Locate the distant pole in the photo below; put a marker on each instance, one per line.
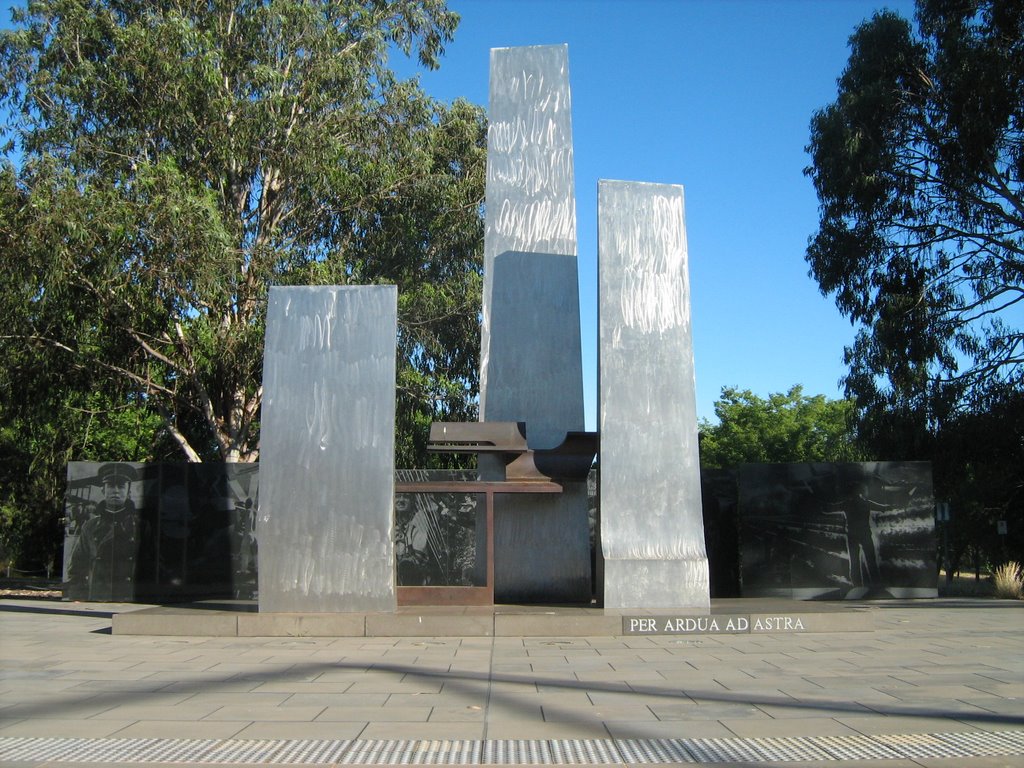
(942, 515)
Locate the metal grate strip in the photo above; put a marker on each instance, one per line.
(722, 750)
(512, 751)
(788, 749)
(654, 751)
(985, 744)
(924, 745)
(855, 748)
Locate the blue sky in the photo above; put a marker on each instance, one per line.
(715, 95)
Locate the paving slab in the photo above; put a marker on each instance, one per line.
(471, 713)
(267, 713)
(57, 727)
(674, 729)
(423, 732)
(932, 683)
(336, 699)
(180, 712)
(173, 729)
(378, 714)
(539, 729)
(304, 731)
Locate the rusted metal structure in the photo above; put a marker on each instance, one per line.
(527, 471)
(571, 460)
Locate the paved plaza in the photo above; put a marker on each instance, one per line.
(935, 683)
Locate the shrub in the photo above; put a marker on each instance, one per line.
(1009, 581)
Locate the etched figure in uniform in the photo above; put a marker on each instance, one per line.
(856, 506)
(103, 562)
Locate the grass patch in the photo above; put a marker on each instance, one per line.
(1009, 581)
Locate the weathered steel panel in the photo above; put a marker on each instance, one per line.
(327, 450)
(531, 366)
(652, 531)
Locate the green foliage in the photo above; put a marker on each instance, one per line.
(978, 468)
(784, 428)
(178, 159)
(919, 170)
(36, 442)
(165, 162)
(918, 166)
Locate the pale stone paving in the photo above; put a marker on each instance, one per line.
(936, 683)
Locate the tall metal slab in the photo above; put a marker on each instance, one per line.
(531, 366)
(652, 530)
(327, 450)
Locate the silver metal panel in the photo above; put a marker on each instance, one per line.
(327, 450)
(651, 583)
(531, 367)
(535, 366)
(652, 530)
(530, 192)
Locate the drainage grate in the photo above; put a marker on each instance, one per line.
(513, 751)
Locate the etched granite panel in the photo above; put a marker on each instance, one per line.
(652, 531)
(160, 532)
(837, 531)
(327, 450)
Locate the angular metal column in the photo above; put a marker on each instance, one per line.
(531, 367)
(652, 529)
(327, 467)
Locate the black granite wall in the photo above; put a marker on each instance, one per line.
(804, 531)
(183, 531)
(834, 531)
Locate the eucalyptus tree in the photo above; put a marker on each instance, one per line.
(168, 161)
(919, 169)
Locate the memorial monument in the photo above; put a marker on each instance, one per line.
(325, 490)
(652, 529)
(530, 360)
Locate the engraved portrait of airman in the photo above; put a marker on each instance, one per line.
(103, 562)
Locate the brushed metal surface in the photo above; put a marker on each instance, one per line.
(531, 366)
(327, 450)
(652, 530)
(530, 188)
(535, 367)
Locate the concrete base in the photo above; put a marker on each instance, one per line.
(226, 619)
